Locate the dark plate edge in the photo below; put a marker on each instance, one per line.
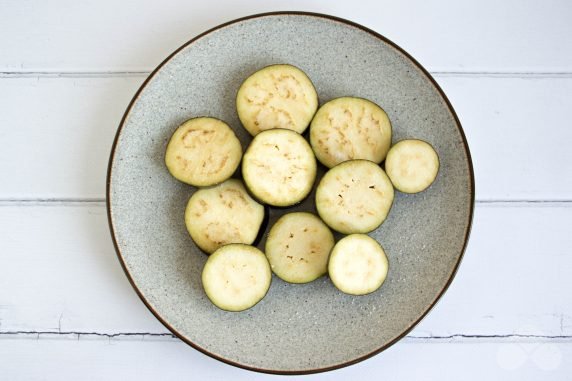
(272, 371)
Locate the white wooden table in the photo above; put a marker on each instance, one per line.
(67, 72)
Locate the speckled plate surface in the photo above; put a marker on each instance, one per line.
(295, 328)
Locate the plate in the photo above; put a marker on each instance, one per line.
(295, 328)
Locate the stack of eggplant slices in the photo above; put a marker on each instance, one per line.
(350, 136)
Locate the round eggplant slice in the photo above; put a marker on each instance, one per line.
(236, 277)
(279, 167)
(350, 128)
(223, 214)
(298, 247)
(354, 197)
(277, 96)
(358, 265)
(202, 152)
(412, 165)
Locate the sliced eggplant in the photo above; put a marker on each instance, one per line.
(350, 128)
(236, 277)
(412, 165)
(277, 96)
(354, 197)
(202, 152)
(279, 167)
(298, 247)
(223, 214)
(358, 265)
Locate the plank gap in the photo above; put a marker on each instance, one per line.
(145, 73)
(459, 337)
(10, 202)
(73, 74)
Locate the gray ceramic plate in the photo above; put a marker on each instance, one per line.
(295, 328)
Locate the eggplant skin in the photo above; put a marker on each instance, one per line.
(358, 265)
(298, 247)
(223, 214)
(236, 277)
(350, 128)
(412, 165)
(203, 151)
(354, 197)
(277, 96)
(279, 167)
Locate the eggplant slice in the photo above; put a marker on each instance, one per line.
(412, 165)
(358, 265)
(203, 151)
(279, 167)
(236, 277)
(298, 247)
(354, 197)
(350, 128)
(223, 214)
(277, 96)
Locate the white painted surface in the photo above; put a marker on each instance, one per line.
(152, 359)
(60, 132)
(66, 126)
(449, 35)
(507, 315)
(519, 133)
(517, 287)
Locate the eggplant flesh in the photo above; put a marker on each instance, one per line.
(202, 152)
(277, 96)
(412, 165)
(236, 277)
(350, 128)
(298, 247)
(279, 167)
(358, 265)
(354, 197)
(223, 214)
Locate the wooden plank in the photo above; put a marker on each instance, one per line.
(519, 134)
(60, 132)
(59, 145)
(122, 359)
(60, 274)
(479, 36)
(513, 278)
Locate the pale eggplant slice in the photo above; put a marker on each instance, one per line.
(277, 96)
(412, 165)
(223, 214)
(236, 277)
(298, 247)
(354, 197)
(203, 151)
(350, 128)
(279, 167)
(358, 265)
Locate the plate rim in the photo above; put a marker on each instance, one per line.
(268, 370)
